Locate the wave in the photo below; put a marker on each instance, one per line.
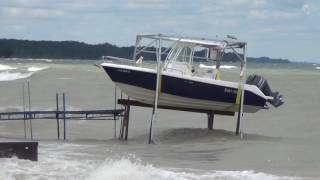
(34, 69)
(67, 161)
(221, 67)
(10, 76)
(318, 67)
(129, 169)
(6, 67)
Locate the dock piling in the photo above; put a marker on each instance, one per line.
(124, 128)
(30, 115)
(127, 115)
(64, 116)
(114, 116)
(24, 113)
(57, 116)
(210, 120)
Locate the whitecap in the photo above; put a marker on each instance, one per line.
(128, 169)
(59, 161)
(221, 67)
(10, 76)
(34, 69)
(318, 67)
(6, 67)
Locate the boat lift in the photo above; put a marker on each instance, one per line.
(156, 42)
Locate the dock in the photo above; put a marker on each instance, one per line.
(29, 149)
(61, 114)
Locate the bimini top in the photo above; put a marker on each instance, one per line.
(221, 44)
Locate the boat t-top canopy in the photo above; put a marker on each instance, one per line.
(202, 42)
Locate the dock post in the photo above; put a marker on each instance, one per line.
(127, 114)
(57, 116)
(24, 113)
(121, 119)
(64, 116)
(238, 121)
(114, 115)
(30, 115)
(210, 120)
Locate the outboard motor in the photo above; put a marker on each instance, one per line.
(263, 85)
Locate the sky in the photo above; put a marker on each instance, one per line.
(288, 29)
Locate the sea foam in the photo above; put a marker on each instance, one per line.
(10, 76)
(34, 69)
(66, 161)
(6, 67)
(126, 169)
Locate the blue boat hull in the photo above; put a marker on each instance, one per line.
(182, 91)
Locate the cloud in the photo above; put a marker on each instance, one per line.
(306, 8)
(274, 15)
(31, 13)
(118, 21)
(310, 8)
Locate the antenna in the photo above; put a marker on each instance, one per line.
(232, 37)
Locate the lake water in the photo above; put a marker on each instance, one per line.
(282, 143)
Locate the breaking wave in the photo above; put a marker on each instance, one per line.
(10, 73)
(10, 76)
(6, 67)
(34, 69)
(121, 169)
(128, 169)
(318, 67)
(67, 161)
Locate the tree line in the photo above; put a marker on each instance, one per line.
(13, 48)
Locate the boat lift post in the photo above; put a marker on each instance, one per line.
(155, 105)
(242, 77)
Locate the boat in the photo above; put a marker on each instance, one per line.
(174, 82)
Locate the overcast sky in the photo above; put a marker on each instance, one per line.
(279, 28)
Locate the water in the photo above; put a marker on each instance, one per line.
(277, 144)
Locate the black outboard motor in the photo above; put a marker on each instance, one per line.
(263, 85)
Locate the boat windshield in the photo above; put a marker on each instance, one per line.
(180, 59)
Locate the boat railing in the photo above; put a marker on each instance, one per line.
(129, 62)
(177, 70)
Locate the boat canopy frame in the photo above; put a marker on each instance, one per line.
(155, 46)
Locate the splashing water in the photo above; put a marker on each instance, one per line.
(10, 76)
(66, 161)
(6, 67)
(34, 69)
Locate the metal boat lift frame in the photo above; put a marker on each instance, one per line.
(157, 42)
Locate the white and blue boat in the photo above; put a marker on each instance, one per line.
(175, 83)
